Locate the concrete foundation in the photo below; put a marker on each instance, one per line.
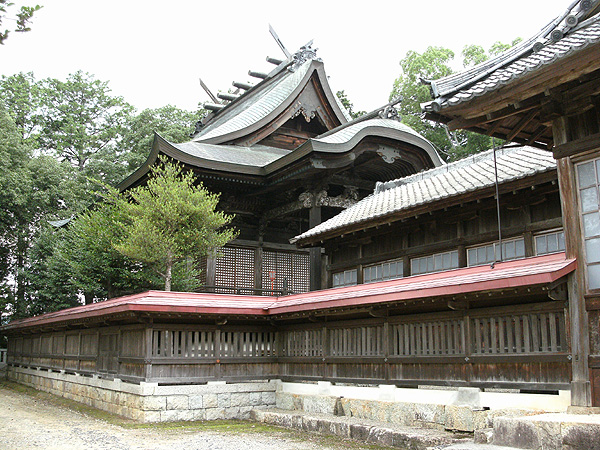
(149, 402)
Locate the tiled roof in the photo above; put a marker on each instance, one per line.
(460, 177)
(522, 59)
(525, 272)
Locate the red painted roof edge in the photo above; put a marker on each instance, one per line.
(546, 269)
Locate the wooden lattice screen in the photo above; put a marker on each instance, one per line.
(235, 268)
(291, 266)
(526, 333)
(357, 341)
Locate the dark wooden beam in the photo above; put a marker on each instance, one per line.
(525, 120)
(510, 110)
(591, 142)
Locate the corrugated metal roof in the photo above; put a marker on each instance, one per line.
(523, 272)
(256, 105)
(460, 177)
(518, 61)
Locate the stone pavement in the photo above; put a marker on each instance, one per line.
(557, 431)
(540, 432)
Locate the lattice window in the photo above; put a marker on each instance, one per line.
(488, 253)
(552, 242)
(294, 267)
(302, 343)
(358, 341)
(345, 278)
(526, 333)
(388, 270)
(444, 337)
(235, 268)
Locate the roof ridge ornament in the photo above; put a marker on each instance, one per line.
(305, 53)
(390, 111)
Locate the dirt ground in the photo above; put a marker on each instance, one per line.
(30, 419)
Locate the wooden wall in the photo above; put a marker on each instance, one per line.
(524, 212)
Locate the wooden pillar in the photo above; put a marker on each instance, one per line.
(148, 348)
(578, 319)
(258, 267)
(314, 219)
(211, 269)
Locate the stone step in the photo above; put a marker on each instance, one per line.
(363, 430)
(556, 431)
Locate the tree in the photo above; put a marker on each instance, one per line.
(81, 119)
(21, 97)
(171, 221)
(174, 124)
(97, 270)
(22, 18)
(32, 189)
(346, 103)
(433, 64)
(430, 65)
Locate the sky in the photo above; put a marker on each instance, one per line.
(153, 53)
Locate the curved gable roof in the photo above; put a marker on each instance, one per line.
(346, 137)
(265, 102)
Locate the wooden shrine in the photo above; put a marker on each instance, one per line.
(285, 156)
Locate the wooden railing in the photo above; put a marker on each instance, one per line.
(518, 346)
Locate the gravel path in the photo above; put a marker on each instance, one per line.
(31, 422)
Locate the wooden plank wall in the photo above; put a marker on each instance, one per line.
(519, 346)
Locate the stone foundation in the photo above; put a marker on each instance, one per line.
(149, 402)
(462, 409)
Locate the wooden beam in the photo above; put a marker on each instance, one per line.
(510, 110)
(536, 134)
(591, 142)
(521, 124)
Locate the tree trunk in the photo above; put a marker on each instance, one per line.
(168, 274)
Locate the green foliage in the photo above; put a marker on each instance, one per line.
(171, 221)
(473, 55)
(81, 119)
(346, 103)
(434, 64)
(173, 124)
(56, 139)
(48, 274)
(431, 64)
(22, 18)
(96, 269)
